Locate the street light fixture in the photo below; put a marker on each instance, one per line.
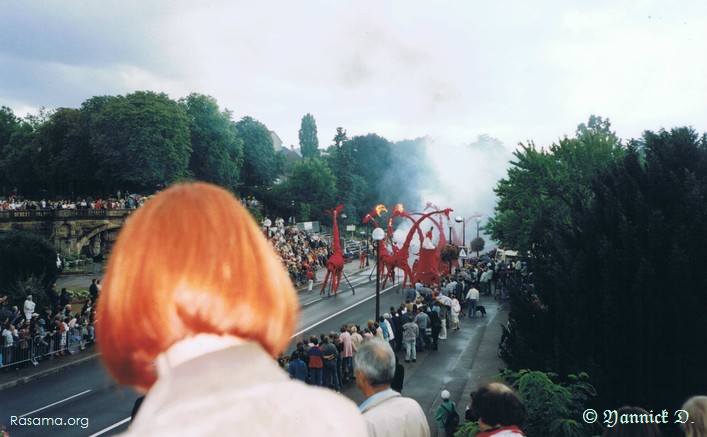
(458, 219)
(478, 220)
(378, 234)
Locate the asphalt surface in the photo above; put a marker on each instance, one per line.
(78, 390)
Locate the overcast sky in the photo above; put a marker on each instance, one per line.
(515, 70)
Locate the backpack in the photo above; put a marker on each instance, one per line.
(451, 423)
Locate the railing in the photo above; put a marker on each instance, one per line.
(51, 214)
(34, 350)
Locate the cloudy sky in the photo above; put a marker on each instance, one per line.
(453, 70)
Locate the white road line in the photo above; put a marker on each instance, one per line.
(342, 311)
(55, 403)
(105, 430)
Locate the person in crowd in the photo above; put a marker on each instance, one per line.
(632, 429)
(472, 299)
(385, 411)
(410, 333)
(330, 376)
(696, 408)
(455, 310)
(29, 307)
(442, 411)
(316, 361)
(356, 338)
(208, 361)
(93, 290)
(499, 409)
(346, 354)
(422, 320)
(388, 322)
(436, 325)
(297, 368)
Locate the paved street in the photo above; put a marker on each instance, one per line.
(78, 387)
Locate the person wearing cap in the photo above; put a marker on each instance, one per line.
(207, 369)
(442, 411)
(385, 411)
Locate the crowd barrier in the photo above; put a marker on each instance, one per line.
(45, 347)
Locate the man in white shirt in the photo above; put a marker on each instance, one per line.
(472, 298)
(385, 411)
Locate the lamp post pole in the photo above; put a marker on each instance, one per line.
(478, 220)
(378, 234)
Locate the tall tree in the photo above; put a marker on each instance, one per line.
(217, 152)
(260, 167)
(308, 141)
(140, 140)
(8, 124)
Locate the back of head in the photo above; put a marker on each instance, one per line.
(197, 260)
(696, 407)
(376, 359)
(633, 422)
(497, 404)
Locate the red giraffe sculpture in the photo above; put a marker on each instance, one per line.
(400, 258)
(381, 270)
(335, 263)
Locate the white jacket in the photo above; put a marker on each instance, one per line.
(391, 415)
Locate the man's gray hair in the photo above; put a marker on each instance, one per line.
(376, 359)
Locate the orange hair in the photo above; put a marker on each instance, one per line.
(191, 261)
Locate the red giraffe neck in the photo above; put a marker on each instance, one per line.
(335, 229)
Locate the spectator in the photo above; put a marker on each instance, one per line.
(29, 307)
(385, 411)
(188, 364)
(316, 362)
(346, 354)
(297, 369)
(330, 375)
(446, 407)
(499, 410)
(696, 408)
(410, 333)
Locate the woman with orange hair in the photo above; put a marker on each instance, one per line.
(221, 307)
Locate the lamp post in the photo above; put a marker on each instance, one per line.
(478, 220)
(458, 219)
(378, 234)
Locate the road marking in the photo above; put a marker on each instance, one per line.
(342, 311)
(55, 403)
(115, 425)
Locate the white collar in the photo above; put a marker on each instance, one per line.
(193, 347)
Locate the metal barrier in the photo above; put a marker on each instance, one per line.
(46, 347)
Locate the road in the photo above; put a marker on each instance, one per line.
(95, 405)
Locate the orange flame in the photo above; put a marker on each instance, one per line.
(380, 208)
(399, 207)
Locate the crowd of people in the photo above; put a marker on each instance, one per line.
(31, 334)
(227, 323)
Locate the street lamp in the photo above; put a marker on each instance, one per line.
(478, 220)
(378, 234)
(458, 219)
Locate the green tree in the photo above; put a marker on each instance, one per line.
(24, 257)
(140, 141)
(477, 244)
(542, 184)
(312, 188)
(217, 151)
(308, 141)
(260, 166)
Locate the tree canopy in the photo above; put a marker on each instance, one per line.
(260, 164)
(217, 151)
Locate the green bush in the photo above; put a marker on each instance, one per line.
(26, 257)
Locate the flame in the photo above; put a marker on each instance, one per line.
(380, 208)
(399, 208)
